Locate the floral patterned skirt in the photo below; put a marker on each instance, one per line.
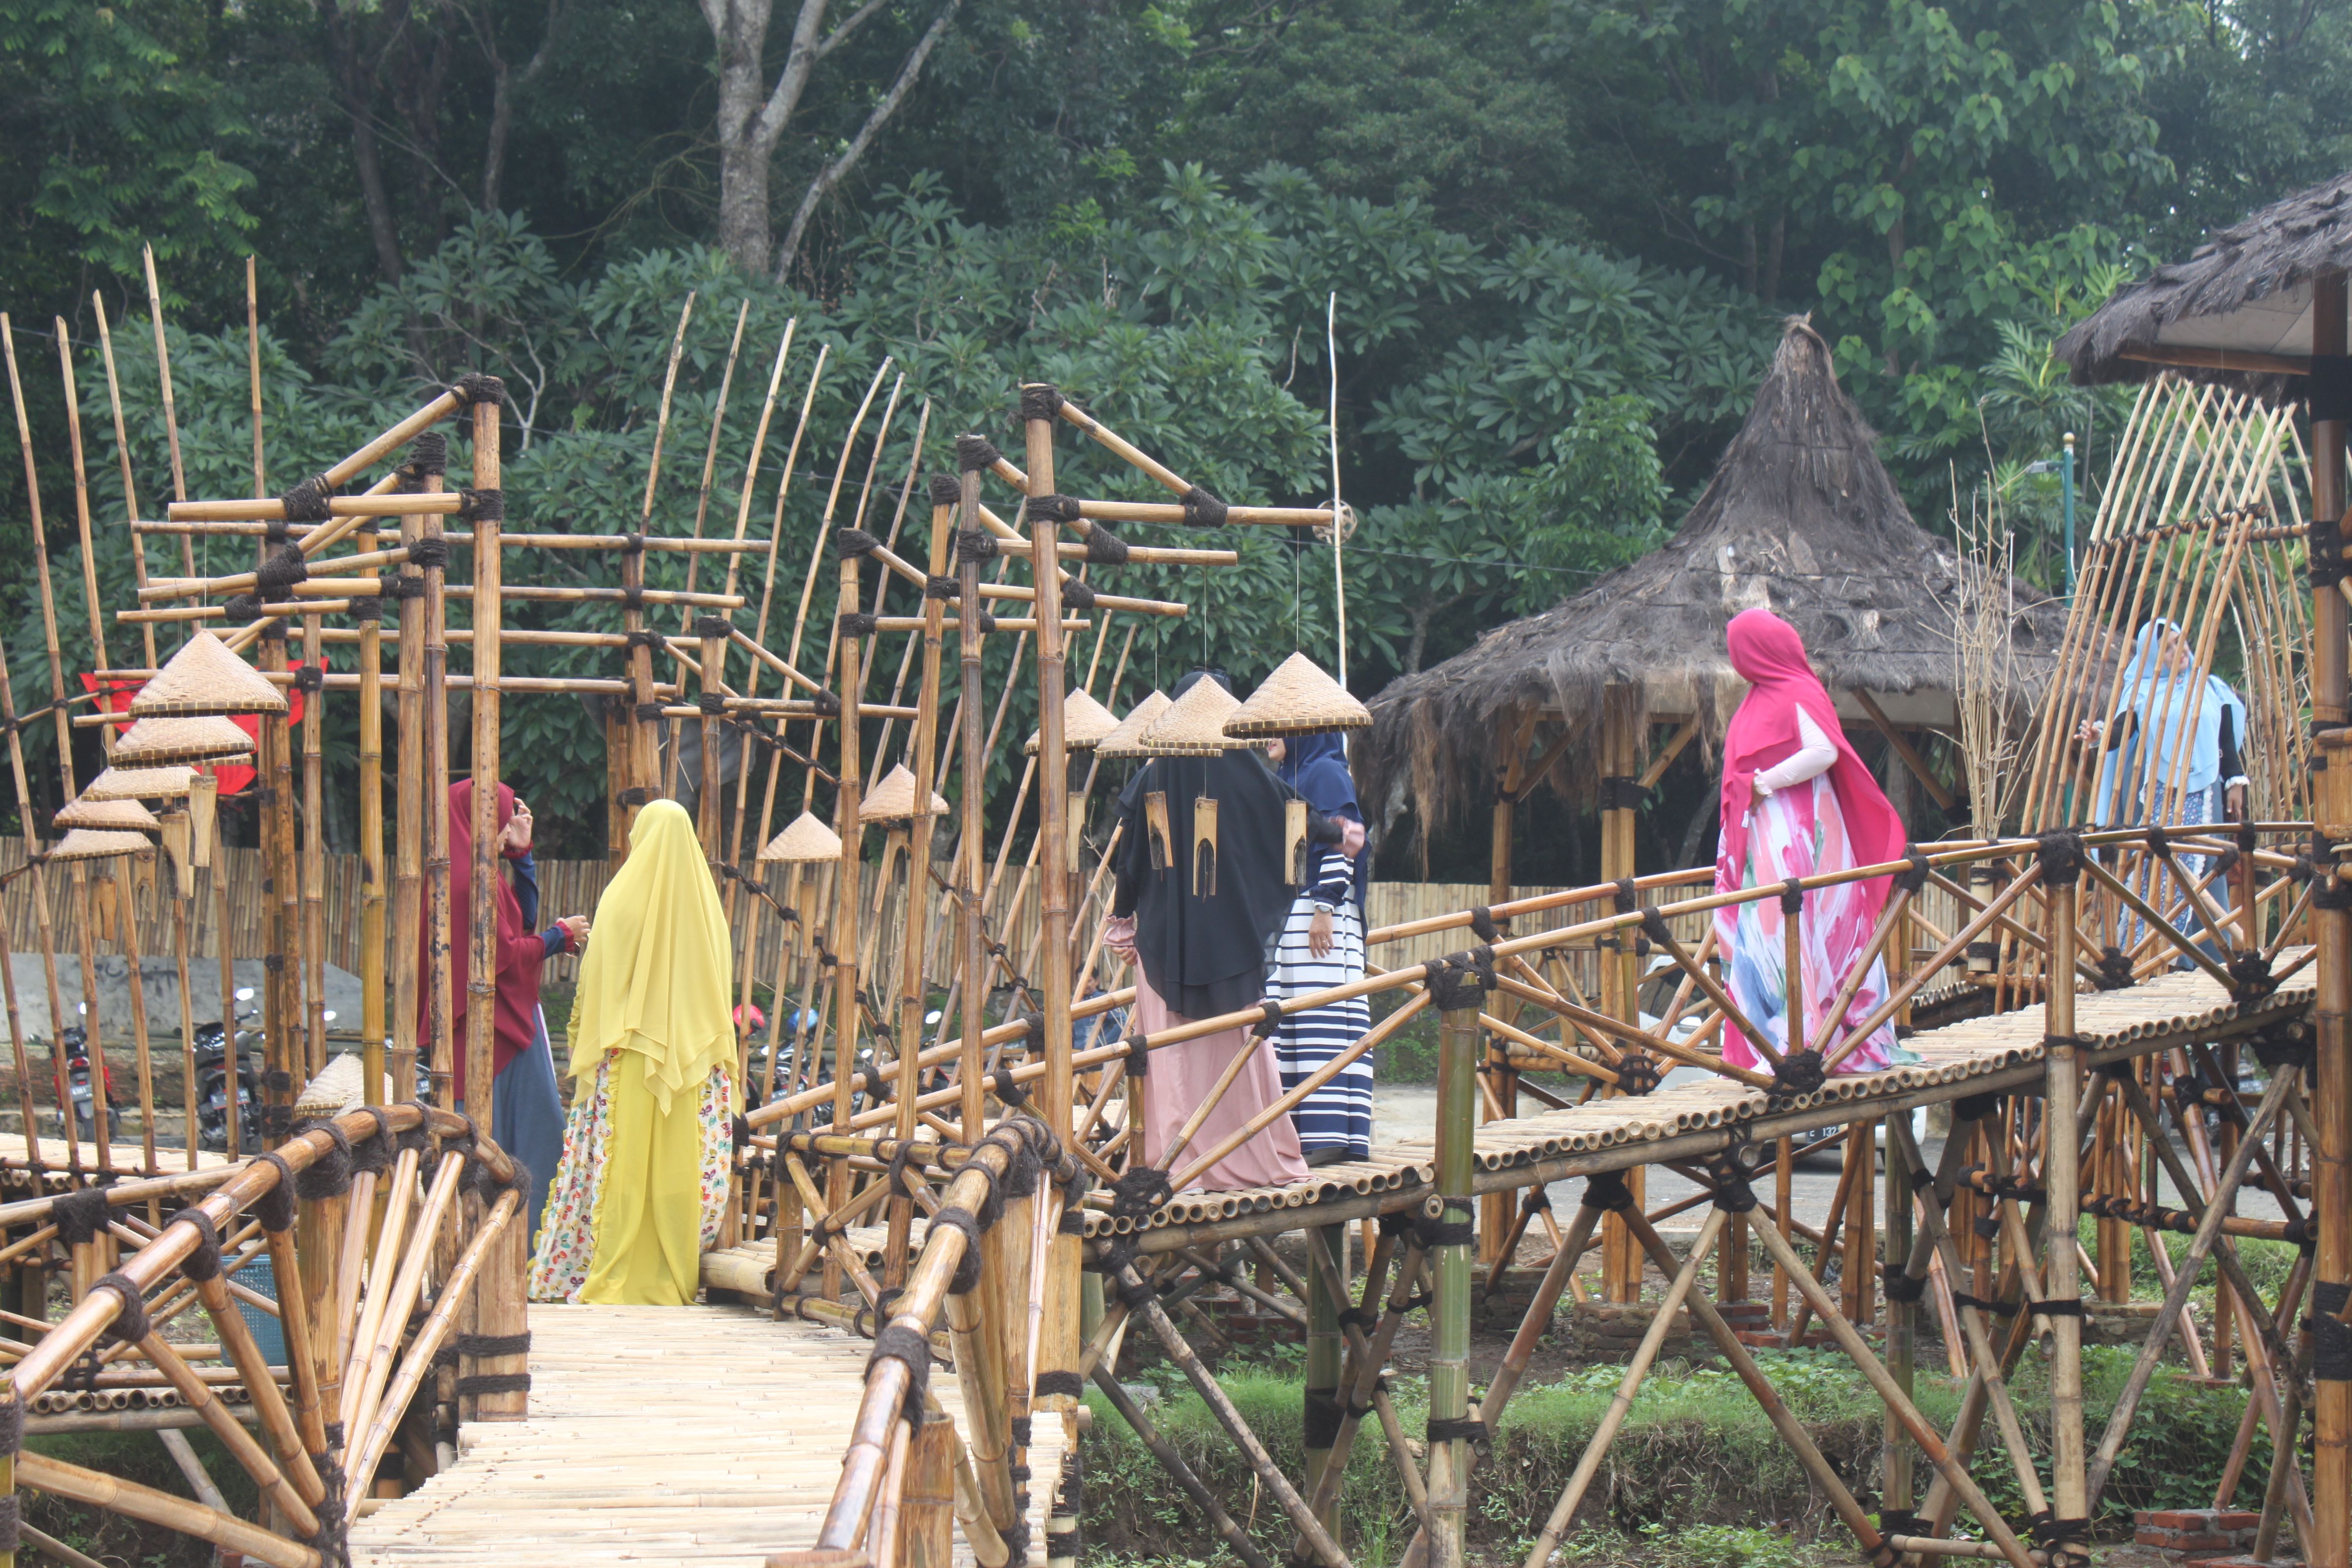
(566, 1250)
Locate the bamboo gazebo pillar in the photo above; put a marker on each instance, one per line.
(851, 651)
(1498, 1211)
(1621, 1259)
(1450, 1424)
(369, 612)
(974, 456)
(1058, 1351)
(2331, 1150)
(2060, 874)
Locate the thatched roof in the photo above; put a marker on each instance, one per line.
(1801, 517)
(2247, 290)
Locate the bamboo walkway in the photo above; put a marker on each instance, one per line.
(703, 1435)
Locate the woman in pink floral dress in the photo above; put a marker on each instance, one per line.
(1798, 802)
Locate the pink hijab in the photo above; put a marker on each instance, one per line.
(1767, 653)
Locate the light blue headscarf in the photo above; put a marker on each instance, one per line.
(2172, 707)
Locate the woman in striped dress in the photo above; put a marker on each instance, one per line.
(1320, 946)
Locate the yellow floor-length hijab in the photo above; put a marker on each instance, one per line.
(652, 999)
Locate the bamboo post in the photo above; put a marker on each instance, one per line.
(369, 612)
(1895, 1487)
(1451, 1265)
(426, 457)
(431, 461)
(847, 800)
(1058, 1351)
(1320, 1416)
(2061, 877)
(944, 493)
(2331, 1145)
(314, 854)
(1495, 1210)
(482, 963)
(1621, 1258)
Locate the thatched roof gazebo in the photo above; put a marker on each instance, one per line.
(1802, 518)
(2241, 311)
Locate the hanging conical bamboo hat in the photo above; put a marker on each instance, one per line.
(893, 800)
(151, 742)
(108, 814)
(1084, 723)
(205, 678)
(1297, 698)
(92, 843)
(141, 783)
(341, 1086)
(1194, 725)
(804, 839)
(1125, 740)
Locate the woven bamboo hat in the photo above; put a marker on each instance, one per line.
(1125, 740)
(1297, 698)
(804, 839)
(151, 742)
(205, 678)
(893, 800)
(1194, 725)
(95, 844)
(1084, 723)
(108, 814)
(141, 783)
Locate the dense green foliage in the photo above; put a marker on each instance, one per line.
(1694, 1468)
(1555, 236)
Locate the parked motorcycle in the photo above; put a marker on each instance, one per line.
(75, 1041)
(215, 1082)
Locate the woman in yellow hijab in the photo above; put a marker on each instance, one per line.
(643, 1180)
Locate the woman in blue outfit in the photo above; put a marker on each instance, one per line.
(1320, 946)
(2170, 755)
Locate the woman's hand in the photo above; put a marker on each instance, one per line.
(1118, 935)
(1351, 838)
(2089, 731)
(514, 838)
(1318, 933)
(1757, 794)
(576, 928)
(2233, 802)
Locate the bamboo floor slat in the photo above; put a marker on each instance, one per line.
(1975, 1055)
(128, 1154)
(691, 1434)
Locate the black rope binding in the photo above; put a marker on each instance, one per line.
(1050, 509)
(79, 1215)
(1105, 548)
(974, 453)
(1638, 1074)
(1900, 1285)
(2060, 854)
(1139, 1192)
(307, 502)
(204, 1260)
(1202, 509)
(130, 1325)
(1138, 1056)
(946, 489)
(1799, 1073)
(2115, 969)
(473, 387)
(1040, 400)
(481, 506)
(849, 543)
(2331, 1338)
(1076, 595)
(1729, 1177)
(911, 1347)
(974, 544)
(1608, 1192)
(1460, 981)
(1459, 1430)
(1912, 880)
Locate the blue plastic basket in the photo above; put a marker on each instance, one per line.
(260, 1279)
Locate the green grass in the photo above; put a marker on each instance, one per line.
(1696, 1478)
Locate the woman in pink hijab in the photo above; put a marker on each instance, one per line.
(1797, 802)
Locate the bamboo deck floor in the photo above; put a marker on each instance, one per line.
(710, 1435)
(1689, 1120)
(127, 1154)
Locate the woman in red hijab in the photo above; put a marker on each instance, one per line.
(528, 1111)
(1798, 801)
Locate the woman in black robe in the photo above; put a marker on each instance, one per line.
(1196, 929)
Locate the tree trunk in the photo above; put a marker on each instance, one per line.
(741, 30)
(354, 78)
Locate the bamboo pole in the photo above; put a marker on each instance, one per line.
(489, 575)
(846, 799)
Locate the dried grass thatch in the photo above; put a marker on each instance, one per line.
(2248, 289)
(1800, 518)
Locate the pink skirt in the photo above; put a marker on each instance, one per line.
(1183, 1075)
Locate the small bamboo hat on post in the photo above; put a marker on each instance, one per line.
(112, 816)
(167, 783)
(1085, 723)
(206, 678)
(804, 840)
(1126, 741)
(1194, 725)
(153, 743)
(893, 800)
(96, 844)
(1297, 698)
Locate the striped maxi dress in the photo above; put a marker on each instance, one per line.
(1339, 1114)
